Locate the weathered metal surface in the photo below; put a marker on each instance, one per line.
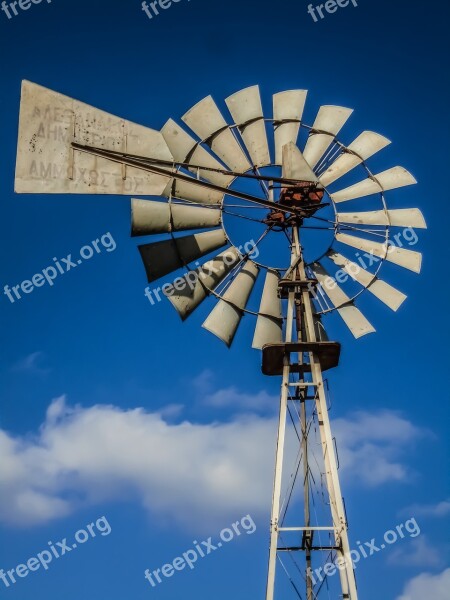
(246, 109)
(409, 259)
(185, 149)
(206, 120)
(366, 145)
(194, 287)
(295, 165)
(273, 356)
(269, 325)
(184, 190)
(224, 319)
(328, 123)
(391, 179)
(161, 258)
(352, 316)
(390, 296)
(403, 217)
(149, 216)
(288, 107)
(46, 162)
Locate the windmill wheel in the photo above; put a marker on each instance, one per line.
(237, 154)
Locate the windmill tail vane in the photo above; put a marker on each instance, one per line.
(195, 173)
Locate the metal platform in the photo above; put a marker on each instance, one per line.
(273, 356)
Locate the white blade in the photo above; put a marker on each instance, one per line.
(352, 316)
(295, 165)
(148, 217)
(327, 125)
(188, 292)
(46, 163)
(400, 256)
(161, 258)
(287, 106)
(365, 146)
(206, 120)
(192, 192)
(246, 109)
(224, 319)
(391, 179)
(382, 290)
(405, 217)
(185, 150)
(270, 322)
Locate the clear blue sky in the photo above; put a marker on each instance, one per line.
(95, 339)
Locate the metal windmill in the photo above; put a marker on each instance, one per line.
(66, 146)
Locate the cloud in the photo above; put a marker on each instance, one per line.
(372, 445)
(440, 509)
(31, 364)
(182, 471)
(419, 552)
(231, 397)
(179, 471)
(427, 585)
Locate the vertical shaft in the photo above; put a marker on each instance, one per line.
(348, 582)
(301, 395)
(280, 449)
(300, 307)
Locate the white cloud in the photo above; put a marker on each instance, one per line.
(419, 552)
(179, 471)
(427, 586)
(32, 364)
(440, 509)
(185, 472)
(371, 445)
(231, 397)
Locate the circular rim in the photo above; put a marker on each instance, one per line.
(338, 146)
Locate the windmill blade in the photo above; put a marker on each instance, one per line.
(47, 163)
(400, 256)
(206, 120)
(269, 325)
(328, 123)
(405, 217)
(246, 109)
(361, 149)
(288, 110)
(149, 217)
(295, 165)
(390, 296)
(191, 192)
(391, 179)
(193, 288)
(224, 319)
(352, 316)
(186, 150)
(161, 258)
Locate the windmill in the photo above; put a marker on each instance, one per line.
(196, 172)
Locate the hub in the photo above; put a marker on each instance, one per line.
(305, 198)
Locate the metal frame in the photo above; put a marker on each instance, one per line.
(300, 313)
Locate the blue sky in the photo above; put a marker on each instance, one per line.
(111, 407)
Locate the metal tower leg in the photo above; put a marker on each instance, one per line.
(300, 307)
(279, 456)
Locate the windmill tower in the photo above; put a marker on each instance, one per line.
(66, 146)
